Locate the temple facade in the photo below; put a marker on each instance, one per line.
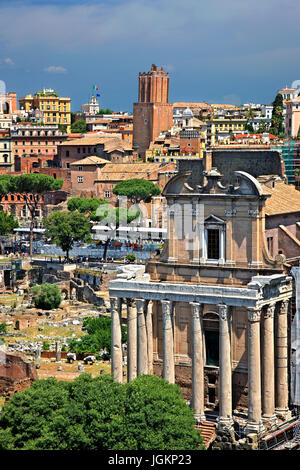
(211, 312)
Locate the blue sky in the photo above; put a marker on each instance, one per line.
(218, 51)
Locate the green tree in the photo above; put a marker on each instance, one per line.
(46, 296)
(7, 225)
(84, 205)
(249, 128)
(98, 414)
(98, 337)
(277, 127)
(79, 126)
(137, 189)
(32, 187)
(114, 217)
(64, 228)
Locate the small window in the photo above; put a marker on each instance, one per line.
(270, 245)
(106, 193)
(80, 179)
(67, 153)
(80, 168)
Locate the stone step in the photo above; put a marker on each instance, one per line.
(208, 431)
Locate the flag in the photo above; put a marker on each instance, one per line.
(98, 94)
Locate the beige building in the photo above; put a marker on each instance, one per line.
(55, 109)
(211, 312)
(292, 117)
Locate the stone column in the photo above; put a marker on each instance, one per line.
(268, 375)
(142, 355)
(168, 342)
(116, 339)
(197, 402)
(149, 328)
(281, 362)
(131, 340)
(225, 369)
(254, 423)
(57, 351)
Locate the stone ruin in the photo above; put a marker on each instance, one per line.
(16, 373)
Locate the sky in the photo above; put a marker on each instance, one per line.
(218, 51)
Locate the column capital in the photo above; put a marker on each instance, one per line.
(254, 314)
(197, 308)
(115, 302)
(283, 309)
(269, 313)
(140, 304)
(166, 307)
(130, 302)
(224, 312)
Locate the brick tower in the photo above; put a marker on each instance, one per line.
(153, 113)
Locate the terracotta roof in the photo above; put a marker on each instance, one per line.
(285, 198)
(110, 142)
(191, 105)
(123, 171)
(91, 160)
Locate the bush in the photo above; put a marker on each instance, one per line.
(131, 258)
(98, 336)
(3, 328)
(47, 296)
(98, 414)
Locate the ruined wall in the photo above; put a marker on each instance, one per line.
(16, 373)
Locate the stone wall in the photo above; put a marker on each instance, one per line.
(16, 373)
(256, 163)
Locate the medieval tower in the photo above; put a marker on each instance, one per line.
(153, 113)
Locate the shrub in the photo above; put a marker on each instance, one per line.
(46, 296)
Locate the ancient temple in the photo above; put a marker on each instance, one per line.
(211, 312)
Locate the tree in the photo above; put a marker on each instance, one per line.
(64, 228)
(98, 414)
(98, 210)
(137, 189)
(98, 337)
(79, 126)
(114, 217)
(46, 296)
(277, 127)
(31, 187)
(7, 225)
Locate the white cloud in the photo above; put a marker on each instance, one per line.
(55, 69)
(7, 61)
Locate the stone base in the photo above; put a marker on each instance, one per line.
(270, 420)
(283, 414)
(254, 428)
(224, 424)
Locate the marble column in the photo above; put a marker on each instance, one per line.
(142, 353)
(168, 342)
(57, 351)
(116, 339)
(197, 402)
(225, 369)
(254, 423)
(281, 362)
(268, 375)
(131, 340)
(149, 327)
